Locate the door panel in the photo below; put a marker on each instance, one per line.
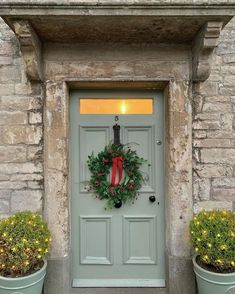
(136, 252)
(95, 240)
(142, 138)
(119, 247)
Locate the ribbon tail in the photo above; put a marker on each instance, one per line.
(120, 169)
(114, 169)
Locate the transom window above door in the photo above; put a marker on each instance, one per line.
(116, 106)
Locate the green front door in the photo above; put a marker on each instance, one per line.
(120, 247)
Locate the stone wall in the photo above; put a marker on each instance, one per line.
(214, 130)
(21, 138)
(21, 131)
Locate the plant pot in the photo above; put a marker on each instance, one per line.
(213, 283)
(31, 284)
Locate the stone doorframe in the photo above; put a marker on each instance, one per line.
(178, 178)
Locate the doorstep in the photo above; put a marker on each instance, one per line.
(119, 291)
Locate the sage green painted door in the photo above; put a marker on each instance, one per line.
(120, 247)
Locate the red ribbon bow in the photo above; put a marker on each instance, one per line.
(117, 167)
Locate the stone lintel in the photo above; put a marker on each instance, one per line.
(118, 7)
(203, 47)
(31, 48)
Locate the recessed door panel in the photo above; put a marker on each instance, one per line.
(141, 139)
(95, 240)
(139, 239)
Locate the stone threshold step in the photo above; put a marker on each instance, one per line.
(118, 291)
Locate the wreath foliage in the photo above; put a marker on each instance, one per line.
(100, 165)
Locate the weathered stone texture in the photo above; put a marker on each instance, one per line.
(214, 130)
(21, 178)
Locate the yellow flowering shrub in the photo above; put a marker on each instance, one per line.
(213, 238)
(24, 243)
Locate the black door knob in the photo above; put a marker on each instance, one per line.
(152, 198)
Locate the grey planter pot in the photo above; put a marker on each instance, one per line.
(213, 283)
(31, 284)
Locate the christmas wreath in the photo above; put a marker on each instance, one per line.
(126, 178)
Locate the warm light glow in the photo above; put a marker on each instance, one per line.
(123, 108)
(116, 106)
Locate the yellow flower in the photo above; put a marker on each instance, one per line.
(223, 247)
(205, 257)
(209, 245)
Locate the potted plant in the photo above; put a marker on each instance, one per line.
(213, 239)
(24, 245)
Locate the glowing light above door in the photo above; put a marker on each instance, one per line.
(116, 106)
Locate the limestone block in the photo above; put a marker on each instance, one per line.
(27, 88)
(27, 177)
(196, 155)
(209, 88)
(221, 134)
(218, 155)
(206, 124)
(12, 185)
(226, 90)
(216, 107)
(13, 118)
(6, 89)
(224, 182)
(7, 48)
(201, 189)
(197, 103)
(199, 134)
(12, 154)
(212, 204)
(210, 143)
(227, 121)
(9, 73)
(35, 153)
(11, 103)
(218, 98)
(21, 134)
(56, 205)
(207, 116)
(26, 200)
(180, 101)
(5, 60)
(4, 177)
(233, 99)
(224, 194)
(15, 168)
(35, 185)
(228, 69)
(6, 194)
(35, 117)
(213, 170)
(4, 205)
(229, 80)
